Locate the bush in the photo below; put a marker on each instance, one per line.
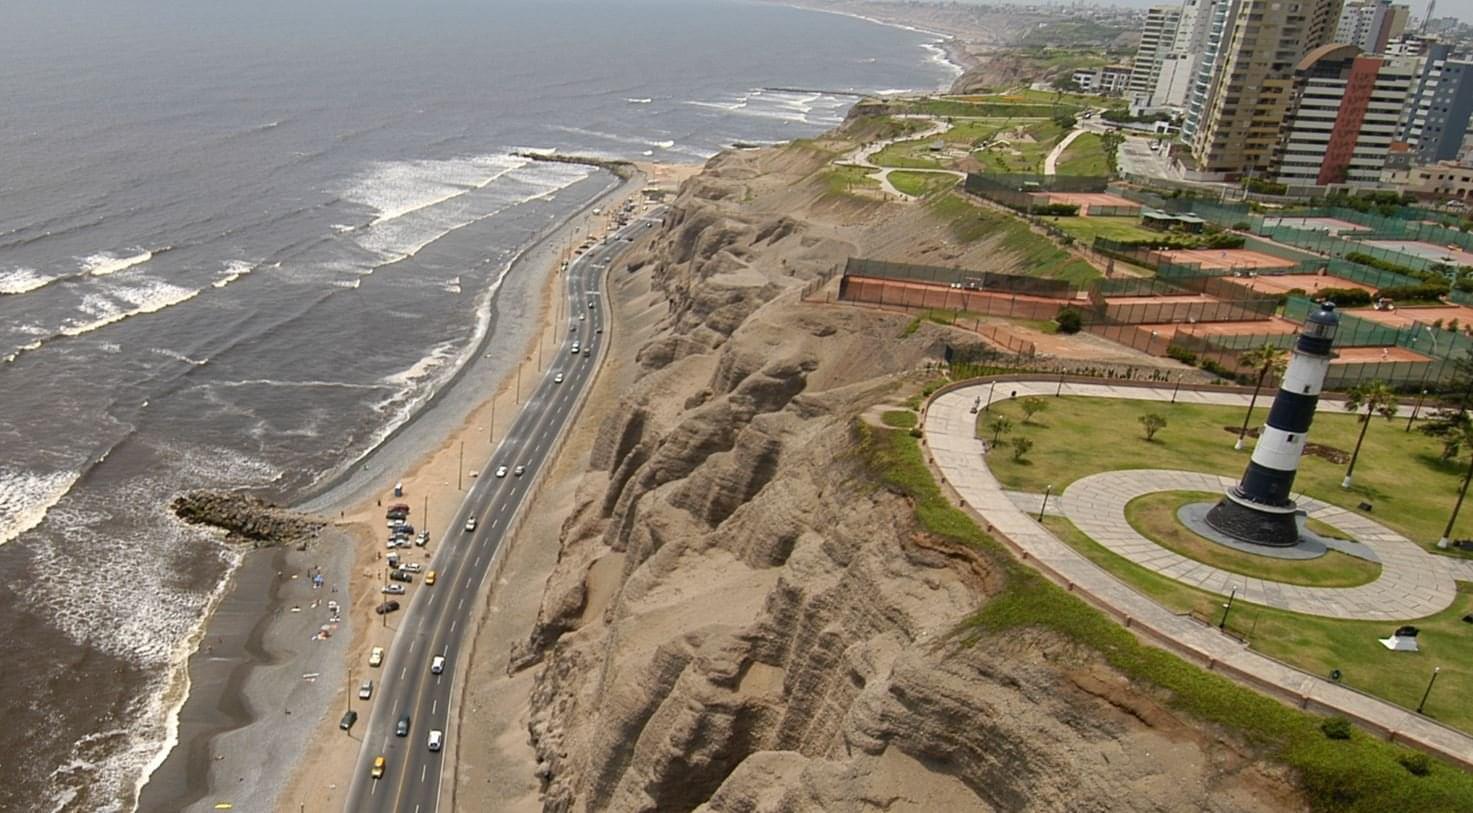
(1182, 355)
(1055, 210)
(1223, 240)
(1384, 265)
(1416, 764)
(1336, 728)
(1263, 187)
(1242, 225)
(1069, 320)
(1347, 297)
(1428, 292)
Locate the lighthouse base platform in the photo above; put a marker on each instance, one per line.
(1270, 526)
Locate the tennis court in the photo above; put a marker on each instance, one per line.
(1405, 317)
(1231, 258)
(1364, 355)
(1309, 283)
(1432, 252)
(1331, 225)
(1116, 205)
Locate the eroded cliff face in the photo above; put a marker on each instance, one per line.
(742, 619)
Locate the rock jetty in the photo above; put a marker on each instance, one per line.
(246, 519)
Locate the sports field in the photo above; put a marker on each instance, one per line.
(1427, 251)
(1309, 283)
(1089, 200)
(1331, 225)
(1405, 317)
(1236, 258)
(1369, 355)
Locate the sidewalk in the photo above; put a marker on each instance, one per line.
(950, 439)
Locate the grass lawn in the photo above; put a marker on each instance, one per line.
(1155, 517)
(1032, 254)
(1399, 473)
(1022, 155)
(1086, 229)
(844, 180)
(1361, 773)
(921, 184)
(1085, 155)
(908, 154)
(1319, 645)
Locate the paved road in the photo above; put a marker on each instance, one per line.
(438, 616)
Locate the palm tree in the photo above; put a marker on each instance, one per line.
(1266, 359)
(1378, 399)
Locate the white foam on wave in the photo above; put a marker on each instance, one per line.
(615, 137)
(122, 302)
(639, 101)
(105, 263)
(26, 497)
(422, 369)
(396, 188)
(234, 270)
(451, 286)
(23, 280)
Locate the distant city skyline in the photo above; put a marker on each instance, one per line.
(1461, 9)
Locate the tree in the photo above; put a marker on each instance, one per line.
(1151, 423)
(1266, 359)
(1031, 406)
(1021, 446)
(1454, 429)
(1069, 320)
(1377, 399)
(999, 427)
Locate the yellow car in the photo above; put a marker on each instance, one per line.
(430, 578)
(378, 768)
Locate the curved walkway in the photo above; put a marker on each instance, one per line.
(1411, 584)
(862, 157)
(1051, 161)
(950, 438)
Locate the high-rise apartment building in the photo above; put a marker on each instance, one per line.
(1437, 115)
(1215, 30)
(1370, 24)
(1157, 37)
(1343, 114)
(1247, 93)
(1179, 66)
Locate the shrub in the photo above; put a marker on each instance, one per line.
(1069, 320)
(1223, 240)
(1416, 764)
(1428, 292)
(1020, 448)
(1182, 354)
(1336, 728)
(1384, 265)
(1055, 210)
(1263, 187)
(1242, 225)
(1347, 297)
(1151, 423)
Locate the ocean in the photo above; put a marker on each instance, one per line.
(241, 242)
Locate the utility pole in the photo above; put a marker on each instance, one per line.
(427, 514)
(460, 470)
(519, 382)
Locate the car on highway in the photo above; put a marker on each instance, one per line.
(598, 330)
(402, 729)
(557, 379)
(501, 471)
(437, 740)
(470, 524)
(430, 579)
(387, 607)
(519, 470)
(393, 590)
(376, 656)
(377, 771)
(348, 720)
(590, 304)
(576, 345)
(365, 690)
(581, 317)
(437, 665)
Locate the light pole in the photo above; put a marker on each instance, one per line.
(1447, 533)
(427, 514)
(1060, 391)
(1176, 389)
(1431, 681)
(1227, 608)
(1418, 408)
(1047, 490)
(989, 395)
(460, 470)
(519, 382)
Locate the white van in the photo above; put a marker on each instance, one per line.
(437, 740)
(437, 665)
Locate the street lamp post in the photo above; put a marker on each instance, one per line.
(1176, 389)
(989, 395)
(1418, 408)
(1431, 681)
(460, 470)
(1227, 608)
(1047, 490)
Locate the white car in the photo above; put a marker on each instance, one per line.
(376, 656)
(365, 690)
(576, 345)
(519, 470)
(437, 740)
(412, 567)
(557, 379)
(437, 665)
(394, 589)
(470, 524)
(501, 471)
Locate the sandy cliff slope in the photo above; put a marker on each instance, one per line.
(740, 618)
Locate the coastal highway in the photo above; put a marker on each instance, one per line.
(439, 616)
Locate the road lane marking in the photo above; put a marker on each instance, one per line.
(423, 769)
(461, 603)
(402, 672)
(434, 707)
(412, 645)
(452, 625)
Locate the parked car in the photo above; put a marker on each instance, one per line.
(377, 771)
(393, 590)
(402, 729)
(437, 740)
(387, 607)
(423, 538)
(402, 575)
(437, 665)
(348, 720)
(365, 690)
(412, 567)
(376, 656)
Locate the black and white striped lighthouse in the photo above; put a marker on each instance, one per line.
(1258, 508)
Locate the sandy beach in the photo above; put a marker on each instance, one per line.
(259, 729)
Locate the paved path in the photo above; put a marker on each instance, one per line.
(1413, 583)
(862, 157)
(1051, 161)
(951, 442)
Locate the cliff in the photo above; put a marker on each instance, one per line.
(742, 618)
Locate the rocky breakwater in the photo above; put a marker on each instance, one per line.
(744, 618)
(245, 519)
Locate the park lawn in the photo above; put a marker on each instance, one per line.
(977, 131)
(1022, 156)
(921, 184)
(988, 109)
(1155, 517)
(1085, 155)
(842, 180)
(1320, 645)
(908, 154)
(1086, 229)
(1036, 255)
(1361, 773)
(1031, 96)
(1399, 473)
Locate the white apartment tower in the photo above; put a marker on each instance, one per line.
(1157, 39)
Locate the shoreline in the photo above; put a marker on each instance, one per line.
(943, 49)
(248, 640)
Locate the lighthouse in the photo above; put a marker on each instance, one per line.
(1258, 509)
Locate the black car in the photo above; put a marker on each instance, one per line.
(348, 720)
(402, 729)
(401, 576)
(387, 607)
